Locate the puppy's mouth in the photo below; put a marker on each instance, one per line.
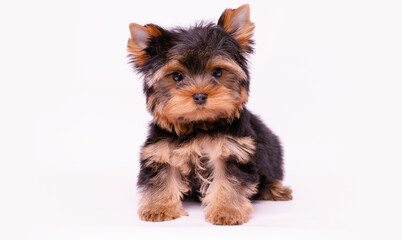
(202, 114)
(200, 105)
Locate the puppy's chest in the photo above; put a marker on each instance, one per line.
(205, 151)
(199, 152)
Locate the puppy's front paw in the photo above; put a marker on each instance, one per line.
(223, 215)
(155, 213)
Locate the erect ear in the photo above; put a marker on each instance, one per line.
(140, 37)
(237, 23)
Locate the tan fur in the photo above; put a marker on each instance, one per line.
(134, 46)
(157, 152)
(218, 147)
(164, 203)
(170, 67)
(227, 64)
(227, 211)
(277, 192)
(181, 155)
(151, 100)
(241, 31)
(226, 199)
(244, 95)
(181, 107)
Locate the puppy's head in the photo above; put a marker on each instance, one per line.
(194, 76)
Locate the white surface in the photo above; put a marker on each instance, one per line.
(326, 77)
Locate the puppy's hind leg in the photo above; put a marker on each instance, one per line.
(274, 191)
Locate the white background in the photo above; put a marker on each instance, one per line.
(326, 77)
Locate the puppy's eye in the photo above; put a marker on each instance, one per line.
(217, 72)
(177, 76)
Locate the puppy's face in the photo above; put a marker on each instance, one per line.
(194, 75)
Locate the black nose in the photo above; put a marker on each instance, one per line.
(200, 98)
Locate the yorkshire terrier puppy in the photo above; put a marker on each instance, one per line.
(203, 143)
